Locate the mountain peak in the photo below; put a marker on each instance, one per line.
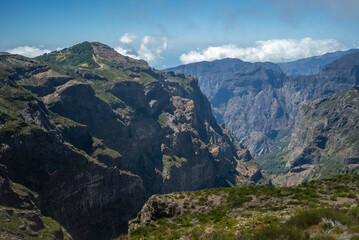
(90, 55)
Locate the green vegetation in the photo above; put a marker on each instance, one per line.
(80, 55)
(147, 79)
(307, 211)
(162, 120)
(315, 222)
(169, 162)
(273, 163)
(29, 224)
(13, 99)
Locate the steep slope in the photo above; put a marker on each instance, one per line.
(325, 139)
(211, 74)
(312, 65)
(325, 209)
(159, 123)
(71, 186)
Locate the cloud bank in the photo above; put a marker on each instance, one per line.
(28, 51)
(148, 48)
(275, 50)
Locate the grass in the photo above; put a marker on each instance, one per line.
(260, 212)
(79, 55)
(16, 222)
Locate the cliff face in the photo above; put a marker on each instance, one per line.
(76, 125)
(325, 138)
(257, 103)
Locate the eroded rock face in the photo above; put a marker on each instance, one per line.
(325, 139)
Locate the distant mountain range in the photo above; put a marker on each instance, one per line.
(312, 65)
(257, 101)
(211, 74)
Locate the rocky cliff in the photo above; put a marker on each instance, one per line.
(325, 138)
(77, 124)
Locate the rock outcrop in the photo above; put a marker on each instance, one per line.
(325, 138)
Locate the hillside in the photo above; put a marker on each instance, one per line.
(325, 209)
(325, 138)
(94, 133)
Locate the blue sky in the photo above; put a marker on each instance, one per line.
(171, 32)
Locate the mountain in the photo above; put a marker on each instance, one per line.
(325, 138)
(325, 209)
(93, 134)
(312, 65)
(259, 105)
(211, 74)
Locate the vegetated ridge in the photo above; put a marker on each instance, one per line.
(322, 209)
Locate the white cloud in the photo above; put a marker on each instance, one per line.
(127, 52)
(275, 50)
(28, 51)
(128, 38)
(150, 48)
